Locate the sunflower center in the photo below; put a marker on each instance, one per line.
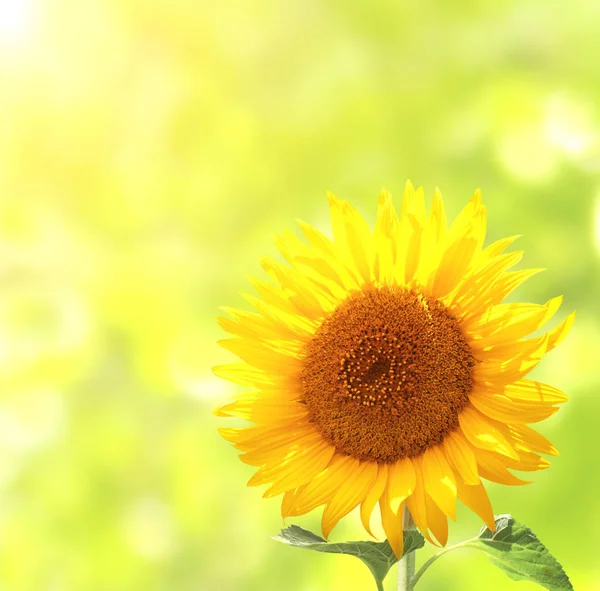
(386, 374)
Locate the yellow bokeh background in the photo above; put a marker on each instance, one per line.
(148, 150)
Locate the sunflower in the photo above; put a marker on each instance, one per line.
(384, 368)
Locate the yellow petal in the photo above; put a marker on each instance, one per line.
(433, 237)
(492, 467)
(409, 250)
(528, 462)
(475, 498)
(413, 203)
(482, 434)
(439, 479)
(412, 224)
(387, 218)
(250, 438)
(400, 482)
(294, 470)
(531, 391)
(416, 502)
(325, 271)
(510, 281)
(501, 408)
(262, 356)
(437, 218)
(349, 495)
(527, 439)
(308, 300)
(317, 240)
(322, 487)
(323, 246)
(461, 457)
(509, 322)
(436, 521)
(263, 407)
(497, 248)
(245, 375)
(373, 495)
(499, 373)
(298, 325)
(273, 294)
(474, 292)
(254, 326)
(506, 351)
(557, 335)
(392, 525)
(278, 451)
(495, 294)
(287, 502)
(386, 235)
(509, 350)
(463, 243)
(352, 236)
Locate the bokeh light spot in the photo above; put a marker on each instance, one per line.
(569, 124)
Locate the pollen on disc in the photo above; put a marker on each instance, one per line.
(386, 374)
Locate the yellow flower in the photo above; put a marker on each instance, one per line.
(384, 368)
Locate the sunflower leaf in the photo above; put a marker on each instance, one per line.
(515, 549)
(378, 556)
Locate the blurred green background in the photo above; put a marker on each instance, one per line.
(147, 153)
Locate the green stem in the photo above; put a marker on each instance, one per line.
(427, 564)
(406, 565)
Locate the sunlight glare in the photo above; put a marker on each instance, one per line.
(15, 20)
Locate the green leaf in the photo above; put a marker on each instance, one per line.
(378, 556)
(515, 549)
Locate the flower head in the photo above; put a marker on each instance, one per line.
(384, 368)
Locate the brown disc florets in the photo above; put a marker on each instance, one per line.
(386, 374)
